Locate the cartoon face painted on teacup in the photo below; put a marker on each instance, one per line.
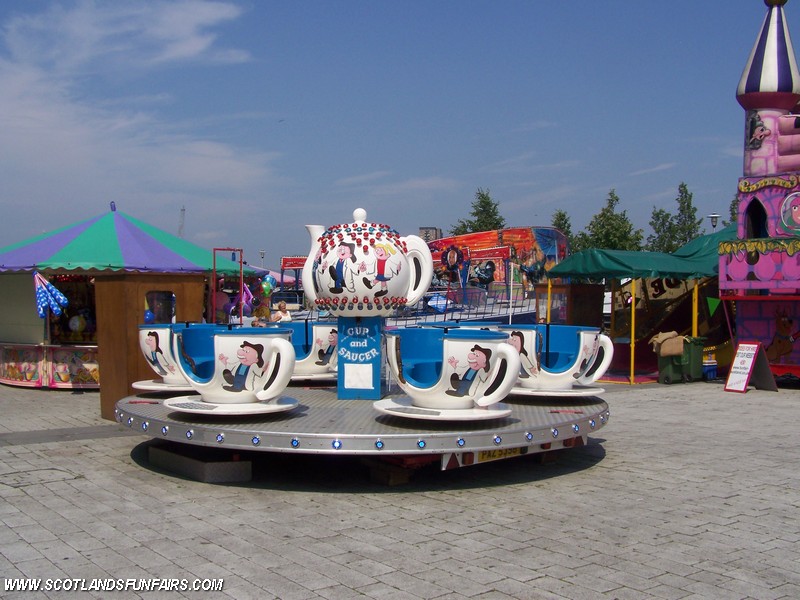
(246, 370)
(326, 355)
(155, 344)
(527, 365)
(477, 371)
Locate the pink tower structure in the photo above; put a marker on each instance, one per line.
(760, 271)
(768, 90)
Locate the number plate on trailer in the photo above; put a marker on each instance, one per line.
(498, 454)
(454, 460)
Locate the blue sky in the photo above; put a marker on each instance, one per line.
(261, 116)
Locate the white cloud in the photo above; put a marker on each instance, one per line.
(360, 179)
(523, 163)
(656, 169)
(415, 186)
(99, 36)
(64, 152)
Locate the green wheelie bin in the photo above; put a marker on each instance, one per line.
(686, 367)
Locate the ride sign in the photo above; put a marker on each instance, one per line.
(750, 365)
(359, 358)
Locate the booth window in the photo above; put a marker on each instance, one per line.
(159, 307)
(76, 324)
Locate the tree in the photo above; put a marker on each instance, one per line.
(733, 209)
(687, 225)
(661, 240)
(562, 222)
(609, 229)
(670, 232)
(485, 213)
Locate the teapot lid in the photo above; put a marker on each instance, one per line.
(362, 234)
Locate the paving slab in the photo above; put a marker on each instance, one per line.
(688, 492)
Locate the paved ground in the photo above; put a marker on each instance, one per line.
(688, 492)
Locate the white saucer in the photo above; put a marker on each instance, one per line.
(314, 377)
(193, 405)
(402, 407)
(156, 385)
(576, 392)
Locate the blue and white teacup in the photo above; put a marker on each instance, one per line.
(573, 355)
(243, 365)
(453, 369)
(315, 345)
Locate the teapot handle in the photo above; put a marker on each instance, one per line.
(420, 262)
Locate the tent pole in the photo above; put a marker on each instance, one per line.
(633, 324)
(549, 295)
(213, 290)
(695, 306)
(613, 299)
(510, 271)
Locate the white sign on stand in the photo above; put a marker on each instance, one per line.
(750, 365)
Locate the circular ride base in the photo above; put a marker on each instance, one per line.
(320, 423)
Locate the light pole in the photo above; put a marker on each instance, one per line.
(714, 217)
(262, 253)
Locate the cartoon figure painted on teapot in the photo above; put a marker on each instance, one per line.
(365, 269)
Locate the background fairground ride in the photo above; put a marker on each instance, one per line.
(497, 275)
(525, 275)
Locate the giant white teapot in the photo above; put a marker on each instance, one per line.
(365, 269)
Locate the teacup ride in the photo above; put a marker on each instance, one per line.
(315, 349)
(241, 371)
(560, 360)
(450, 374)
(155, 342)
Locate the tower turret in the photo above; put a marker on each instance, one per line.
(768, 89)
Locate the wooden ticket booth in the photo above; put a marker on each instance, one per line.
(122, 299)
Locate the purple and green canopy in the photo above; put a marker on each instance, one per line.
(113, 241)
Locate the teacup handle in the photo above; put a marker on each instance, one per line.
(281, 367)
(420, 262)
(598, 371)
(503, 376)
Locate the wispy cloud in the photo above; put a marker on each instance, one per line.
(656, 169)
(93, 36)
(61, 143)
(523, 163)
(361, 179)
(536, 126)
(416, 186)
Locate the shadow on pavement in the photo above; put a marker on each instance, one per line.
(352, 474)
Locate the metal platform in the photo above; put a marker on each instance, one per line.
(323, 424)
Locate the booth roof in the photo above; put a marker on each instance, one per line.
(697, 259)
(113, 241)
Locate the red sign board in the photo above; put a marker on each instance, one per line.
(293, 262)
(498, 253)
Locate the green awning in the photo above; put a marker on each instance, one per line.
(697, 259)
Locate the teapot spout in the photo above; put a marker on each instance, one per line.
(315, 231)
